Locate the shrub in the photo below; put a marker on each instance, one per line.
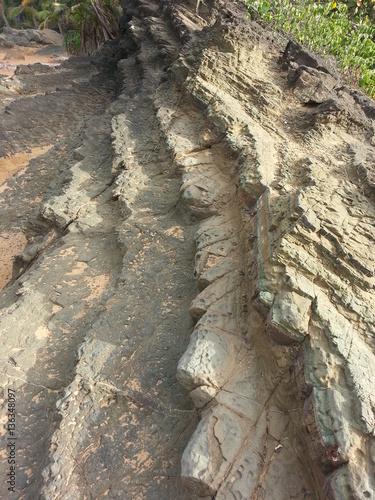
(85, 24)
(344, 29)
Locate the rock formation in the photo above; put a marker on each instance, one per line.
(203, 218)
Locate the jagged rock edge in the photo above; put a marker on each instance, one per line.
(265, 302)
(331, 453)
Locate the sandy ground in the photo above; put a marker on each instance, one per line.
(10, 245)
(12, 164)
(11, 58)
(13, 242)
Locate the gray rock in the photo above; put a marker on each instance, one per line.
(208, 360)
(189, 208)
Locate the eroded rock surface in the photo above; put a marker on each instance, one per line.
(204, 217)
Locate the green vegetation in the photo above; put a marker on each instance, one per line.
(85, 24)
(342, 28)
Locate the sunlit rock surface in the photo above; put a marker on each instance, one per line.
(192, 314)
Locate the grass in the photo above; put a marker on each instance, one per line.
(345, 29)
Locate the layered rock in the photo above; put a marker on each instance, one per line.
(11, 37)
(308, 271)
(213, 220)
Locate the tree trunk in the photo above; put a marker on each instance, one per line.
(2, 14)
(106, 30)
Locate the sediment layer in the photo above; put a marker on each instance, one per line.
(207, 224)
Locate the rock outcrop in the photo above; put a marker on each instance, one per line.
(204, 218)
(11, 37)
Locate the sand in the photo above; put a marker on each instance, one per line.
(11, 58)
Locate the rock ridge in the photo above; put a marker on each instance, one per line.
(206, 222)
